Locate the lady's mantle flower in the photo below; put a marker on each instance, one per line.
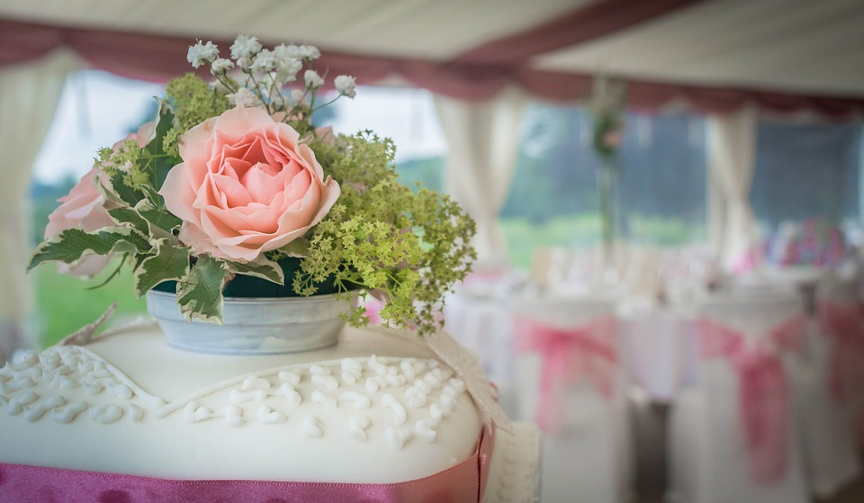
(244, 98)
(244, 47)
(221, 66)
(200, 53)
(312, 79)
(346, 85)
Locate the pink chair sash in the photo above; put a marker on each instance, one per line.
(465, 481)
(568, 354)
(844, 324)
(763, 392)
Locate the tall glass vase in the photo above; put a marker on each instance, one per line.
(607, 185)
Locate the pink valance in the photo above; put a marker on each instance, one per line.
(158, 58)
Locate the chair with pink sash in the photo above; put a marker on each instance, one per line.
(832, 401)
(568, 380)
(733, 435)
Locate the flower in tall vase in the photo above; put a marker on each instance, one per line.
(607, 105)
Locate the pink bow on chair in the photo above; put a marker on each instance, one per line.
(845, 325)
(763, 392)
(568, 354)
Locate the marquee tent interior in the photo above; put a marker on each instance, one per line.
(730, 61)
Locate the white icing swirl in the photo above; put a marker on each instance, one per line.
(106, 414)
(327, 381)
(294, 398)
(36, 411)
(399, 413)
(425, 428)
(360, 400)
(136, 413)
(195, 412)
(357, 427)
(311, 428)
(322, 398)
(397, 437)
(415, 397)
(320, 370)
(17, 402)
(289, 377)
(255, 383)
(266, 415)
(68, 413)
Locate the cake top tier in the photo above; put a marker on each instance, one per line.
(136, 406)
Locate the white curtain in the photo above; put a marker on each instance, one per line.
(28, 98)
(731, 162)
(483, 140)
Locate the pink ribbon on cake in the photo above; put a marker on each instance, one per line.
(763, 392)
(465, 481)
(569, 354)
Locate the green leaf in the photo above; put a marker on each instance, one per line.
(162, 165)
(200, 292)
(126, 215)
(298, 248)
(72, 244)
(262, 267)
(160, 218)
(116, 191)
(168, 263)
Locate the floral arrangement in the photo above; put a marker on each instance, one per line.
(232, 179)
(812, 243)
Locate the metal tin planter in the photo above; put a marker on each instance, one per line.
(254, 326)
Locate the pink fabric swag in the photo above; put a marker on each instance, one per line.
(570, 354)
(763, 391)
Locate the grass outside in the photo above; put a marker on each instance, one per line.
(64, 304)
(523, 235)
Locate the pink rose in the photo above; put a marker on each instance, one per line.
(246, 186)
(82, 209)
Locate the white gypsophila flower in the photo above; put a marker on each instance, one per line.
(297, 96)
(244, 47)
(312, 79)
(244, 63)
(287, 69)
(346, 85)
(221, 66)
(244, 98)
(283, 52)
(264, 61)
(201, 54)
(309, 52)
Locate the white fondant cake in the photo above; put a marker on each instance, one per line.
(130, 404)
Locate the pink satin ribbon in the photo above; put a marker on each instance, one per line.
(844, 324)
(465, 481)
(763, 391)
(568, 354)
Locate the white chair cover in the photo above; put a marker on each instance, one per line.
(709, 458)
(829, 443)
(589, 458)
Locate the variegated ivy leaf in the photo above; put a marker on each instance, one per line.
(298, 248)
(126, 215)
(200, 292)
(262, 267)
(162, 219)
(167, 263)
(72, 244)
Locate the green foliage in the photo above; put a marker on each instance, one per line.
(382, 236)
(72, 244)
(192, 101)
(200, 292)
(262, 267)
(168, 262)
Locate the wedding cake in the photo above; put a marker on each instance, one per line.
(376, 416)
(252, 232)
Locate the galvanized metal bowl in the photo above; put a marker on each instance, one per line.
(254, 326)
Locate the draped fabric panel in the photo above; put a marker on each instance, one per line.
(28, 97)
(159, 58)
(731, 162)
(483, 140)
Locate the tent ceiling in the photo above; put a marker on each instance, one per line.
(795, 45)
(436, 30)
(814, 47)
